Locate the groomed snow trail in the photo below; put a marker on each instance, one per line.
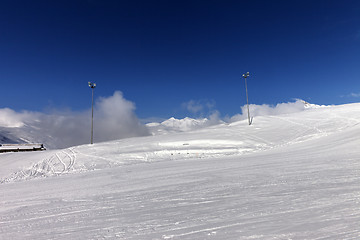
(290, 194)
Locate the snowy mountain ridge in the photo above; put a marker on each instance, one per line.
(173, 125)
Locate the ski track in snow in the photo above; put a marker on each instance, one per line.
(294, 176)
(61, 162)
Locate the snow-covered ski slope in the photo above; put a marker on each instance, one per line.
(293, 176)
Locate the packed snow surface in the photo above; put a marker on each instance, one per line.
(291, 176)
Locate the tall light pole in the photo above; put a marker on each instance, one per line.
(92, 86)
(245, 76)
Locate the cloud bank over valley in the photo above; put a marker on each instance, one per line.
(114, 118)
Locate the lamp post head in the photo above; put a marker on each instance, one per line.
(245, 75)
(92, 85)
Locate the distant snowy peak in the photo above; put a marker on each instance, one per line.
(177, 125)
(310, 105)
(184, 124)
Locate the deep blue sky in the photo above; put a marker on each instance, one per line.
(161, 54)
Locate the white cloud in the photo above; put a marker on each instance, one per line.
(114, 118)
(356, 95)
(193, 106)
(351, 95)
(265, 109)
(10, 118)
(199, 107)
(214, 118)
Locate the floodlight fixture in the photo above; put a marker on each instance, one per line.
(245, 76)
(92, 86)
